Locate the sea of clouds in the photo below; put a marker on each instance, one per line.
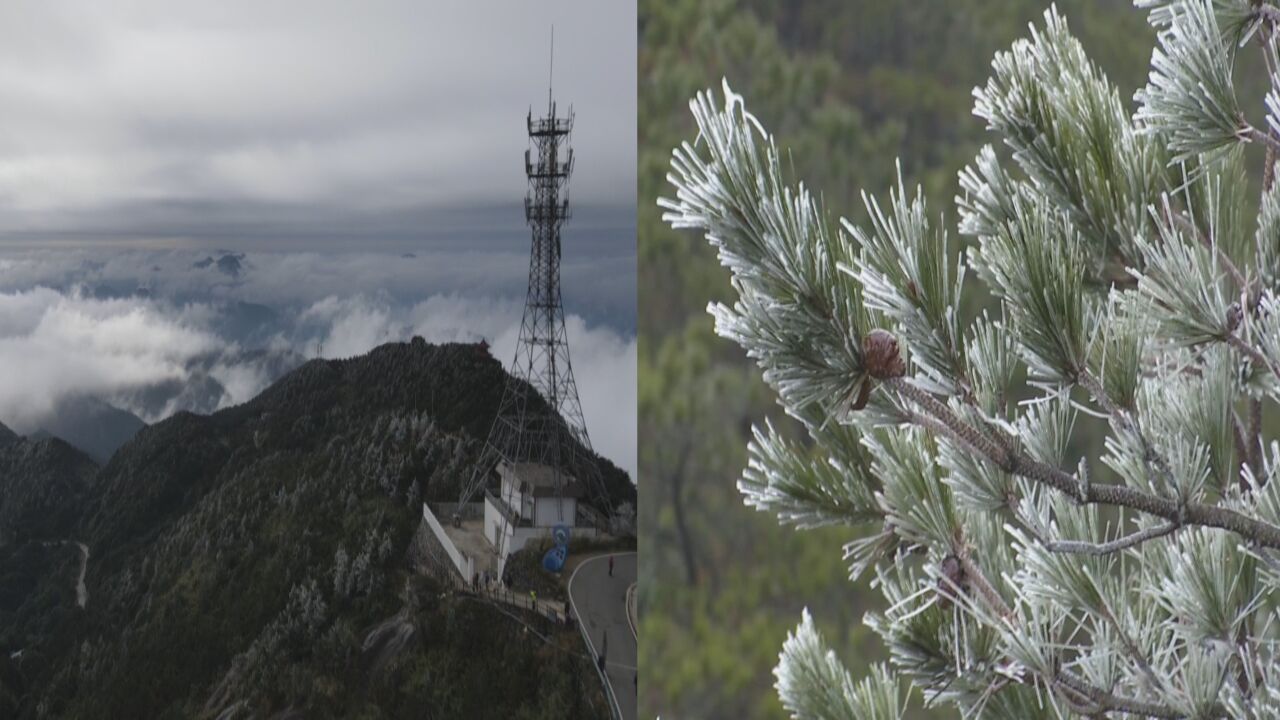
(113, 325)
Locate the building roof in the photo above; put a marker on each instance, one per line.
(542, 479)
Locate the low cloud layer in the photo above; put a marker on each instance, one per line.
(55, 346)
(154, 356)
(245, 120)
(600, 286)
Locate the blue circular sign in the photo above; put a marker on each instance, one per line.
(561, 535)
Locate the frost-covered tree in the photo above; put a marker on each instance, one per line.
(1139, 298)
(341, 562)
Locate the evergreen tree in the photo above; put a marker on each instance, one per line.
(1136, 293)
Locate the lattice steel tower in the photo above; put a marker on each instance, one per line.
(551, 433)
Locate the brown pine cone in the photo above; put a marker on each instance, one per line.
(1234, 316)
(952, 578)
(881, 355)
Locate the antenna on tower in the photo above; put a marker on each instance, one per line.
(539, 435)
(551, 70)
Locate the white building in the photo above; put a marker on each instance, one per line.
(531, 502)
(480, 536)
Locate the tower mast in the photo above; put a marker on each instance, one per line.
(540, 416)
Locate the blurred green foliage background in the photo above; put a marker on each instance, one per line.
(848, 87)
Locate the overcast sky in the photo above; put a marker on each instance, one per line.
(358, 167)
(303, 122)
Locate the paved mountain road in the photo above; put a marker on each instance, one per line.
(82, 592)
(600, 604)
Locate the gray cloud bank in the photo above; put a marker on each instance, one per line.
(601, 288)
(300, 120)
(157, 332)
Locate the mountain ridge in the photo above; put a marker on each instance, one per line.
(92, 425)
(41, 483)
(238, 558)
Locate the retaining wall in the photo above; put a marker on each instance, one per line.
(465, 565)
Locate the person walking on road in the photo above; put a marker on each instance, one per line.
(610, 566)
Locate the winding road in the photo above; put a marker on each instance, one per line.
(600, 604)
(82, 592)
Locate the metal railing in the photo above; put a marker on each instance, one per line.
(550, 125)
(615, 708)
(467, 511)
(552, 610)
(548, 609)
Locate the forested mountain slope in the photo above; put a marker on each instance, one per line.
(242, 561)
(42, 485)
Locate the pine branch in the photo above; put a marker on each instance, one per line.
(1190, 96)
(1234, 271)
(1156, 464)
(1268, 13)
(1255, 432)
(823, 314)
(1110, 702)
(1252, 353)
(984, 586)
(807, 491)
(1241, 445)
(1017, 463)
(797, 315)
(814, 685)
(1249, 133)
(1103, 700)
(1266, 39)
(1132, 649)
(1080, 547)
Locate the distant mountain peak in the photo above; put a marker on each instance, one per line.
(93, 425)
(229, 264)
(41, 484)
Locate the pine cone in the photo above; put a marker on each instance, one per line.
(952, 578)
(880, 353)
(1234, 316)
